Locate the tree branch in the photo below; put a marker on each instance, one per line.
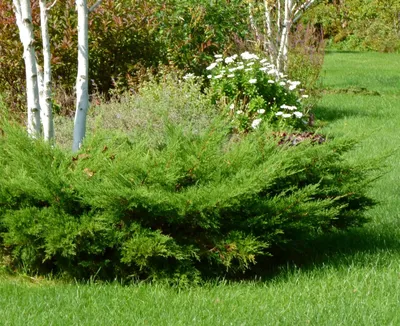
(51, 6)
(94, 7)
(297, 14)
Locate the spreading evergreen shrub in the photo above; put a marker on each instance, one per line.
(189, 205)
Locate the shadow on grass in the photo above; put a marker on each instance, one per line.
(335, 249)
(328, 113)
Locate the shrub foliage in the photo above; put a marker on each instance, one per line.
(189, 205)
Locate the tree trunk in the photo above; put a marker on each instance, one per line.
(45, 92)
(23, 14)
(82, 81)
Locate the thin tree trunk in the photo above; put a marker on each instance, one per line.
(45, 96)
(82, 81)
(268, 40)
(23, 14)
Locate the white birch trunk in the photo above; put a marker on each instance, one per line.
(23, 14)
(82, 80)
(280, 15)
(269, 41)
(282, 53)
(45, 91)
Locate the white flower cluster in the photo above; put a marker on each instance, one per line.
(292, 108)
(246, 62)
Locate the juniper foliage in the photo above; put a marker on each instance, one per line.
(184, 207)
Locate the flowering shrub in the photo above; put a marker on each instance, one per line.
(254, 91)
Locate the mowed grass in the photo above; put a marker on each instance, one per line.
(349, 278)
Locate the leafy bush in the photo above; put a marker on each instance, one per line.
(254, 91)
(189, 205)
(144, 113)
(359, 24)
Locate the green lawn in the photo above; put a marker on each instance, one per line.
(353, 279)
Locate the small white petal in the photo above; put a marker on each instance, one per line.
(212, 66)
(298, 114)
(253, 81)
(255, 123)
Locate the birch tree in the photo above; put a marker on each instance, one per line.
(38, 82)
(46, 113)
(82, 80)
(23, 15)
(279, 17)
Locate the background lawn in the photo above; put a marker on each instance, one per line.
(351, 278)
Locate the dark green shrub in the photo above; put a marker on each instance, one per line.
(189, 205)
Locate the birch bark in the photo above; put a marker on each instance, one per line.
(45, 89)
(280, 15)
(82, 80)
(23, 14)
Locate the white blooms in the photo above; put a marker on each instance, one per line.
(227, 69)
(255, 123)
(293, 84)
(230, 59)
(288, 107)
(298, 114)
(188, 76)
(248, 56)
(212, 66)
